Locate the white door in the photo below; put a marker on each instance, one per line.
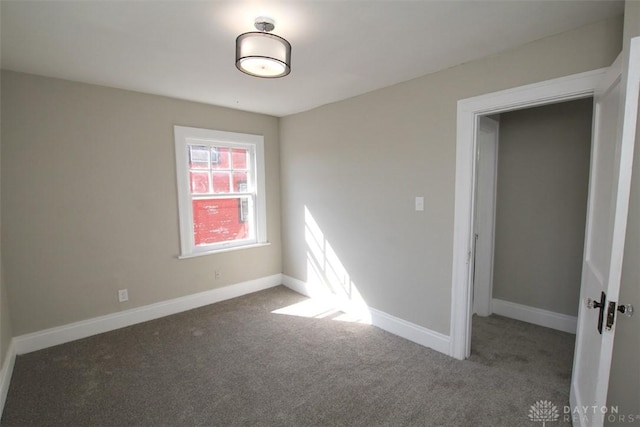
(614, 126)
(486, 163)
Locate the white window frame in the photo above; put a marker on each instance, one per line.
(185, 136)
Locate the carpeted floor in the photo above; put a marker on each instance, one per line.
(237, 363)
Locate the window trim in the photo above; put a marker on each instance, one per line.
(183, 136)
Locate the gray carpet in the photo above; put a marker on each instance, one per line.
(237, 363)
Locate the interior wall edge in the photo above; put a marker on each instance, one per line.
(9, 360)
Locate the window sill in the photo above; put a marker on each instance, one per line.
(218, 251)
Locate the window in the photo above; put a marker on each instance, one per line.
(220, 190)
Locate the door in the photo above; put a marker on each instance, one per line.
(486, 161)
(614, 126)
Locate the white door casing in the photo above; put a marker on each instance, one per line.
(486, 170)
(469, 110)
(614, 128)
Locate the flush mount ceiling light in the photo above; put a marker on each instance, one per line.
(262, 54)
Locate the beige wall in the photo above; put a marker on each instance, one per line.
(6, 332)
(624, 381)
(89, 200)
(357, 165)
(541, 205)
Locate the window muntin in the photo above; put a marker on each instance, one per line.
(220, 189)
(222, 176)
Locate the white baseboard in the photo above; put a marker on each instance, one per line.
(319, 292)
(97, 325)
(380, 319)
(411, 331)
(537, 316)
(5, 374)
(302, 287)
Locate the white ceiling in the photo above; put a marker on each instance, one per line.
(185, 49)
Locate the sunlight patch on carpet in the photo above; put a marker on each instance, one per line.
(319, 309)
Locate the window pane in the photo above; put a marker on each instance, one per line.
(222, 220)
(221, 182)
(240, 183)
(215, 155)
(198, 157)
(239, 156)
(223, 158)
(199, 182)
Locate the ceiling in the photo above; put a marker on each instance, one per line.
(185, 49)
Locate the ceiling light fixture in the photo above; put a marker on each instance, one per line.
(261, 54)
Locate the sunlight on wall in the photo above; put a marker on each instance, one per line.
(333, 295)
(327, 275)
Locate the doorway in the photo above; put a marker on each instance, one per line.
(469, 110)
(532, 176)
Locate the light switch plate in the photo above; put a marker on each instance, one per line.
(419, 203)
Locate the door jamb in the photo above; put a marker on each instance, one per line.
(562, 89)
(486, 290)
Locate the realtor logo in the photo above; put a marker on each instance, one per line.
(543, 411)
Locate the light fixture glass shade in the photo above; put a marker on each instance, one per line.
(262, 54)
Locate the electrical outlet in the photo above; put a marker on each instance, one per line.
(123, 295)
(216, 274)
